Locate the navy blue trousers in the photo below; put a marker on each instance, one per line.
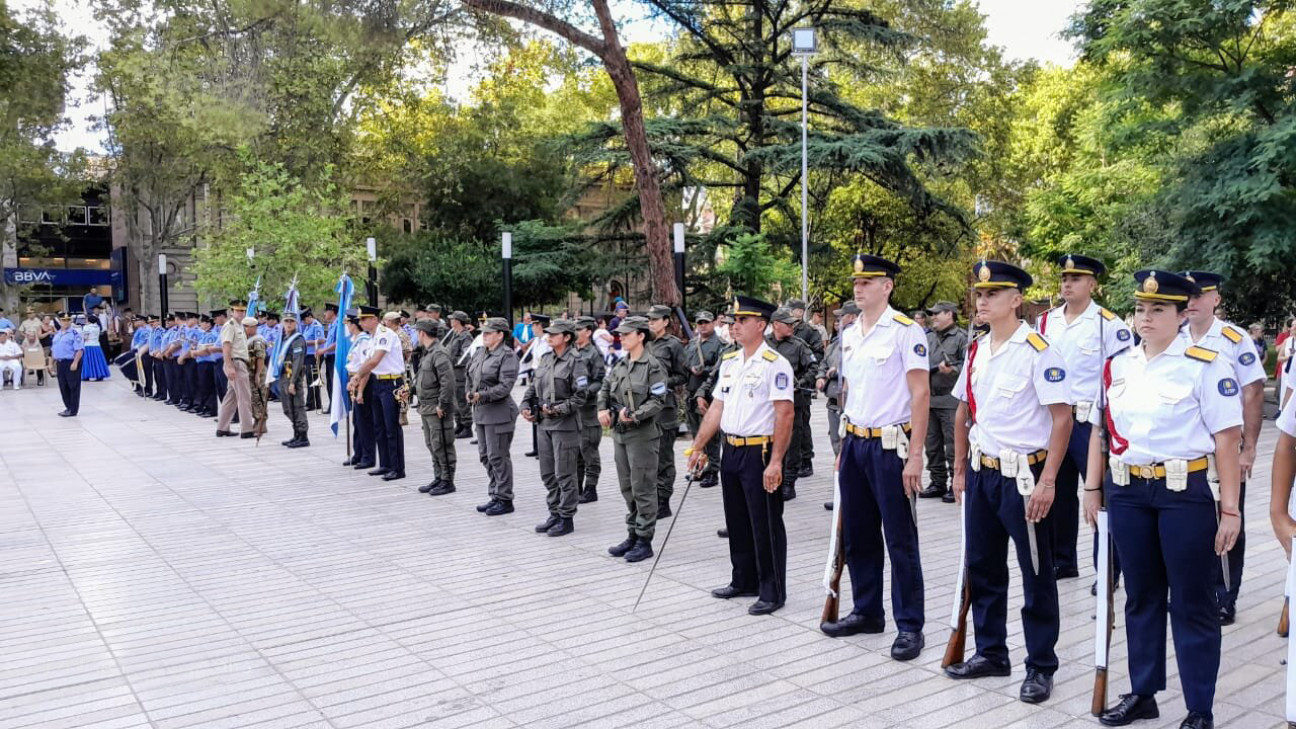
(205, 397)
(996, 513)
(362, 443)
(1167, 541)
(1228, 594)
(874, 504)
(69, 383)
(160, 379)
(754, 518)
(175, 381)
(1066, 506)
(389, 441)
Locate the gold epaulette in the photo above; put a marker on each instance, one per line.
(730, 354)
(1106, 314)
(1201, 354)
(1231, 334)
(903, 319)
(1039, 343)
(770, 355)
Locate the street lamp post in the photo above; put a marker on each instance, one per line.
(679, 262)
(371, 286)
(507, 255)
(804, 45)
(163, 299)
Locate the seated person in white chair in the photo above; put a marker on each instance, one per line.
(11, 354)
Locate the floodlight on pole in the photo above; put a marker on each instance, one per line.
(805, 44)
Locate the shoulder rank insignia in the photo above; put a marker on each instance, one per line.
(730, 354)
(770, 355)
(903, 319)
(1039, 343)
(1231, 334)
(1106, 314)
(1201, 353)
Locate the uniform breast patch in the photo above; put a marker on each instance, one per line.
(658, 388)
(1123, 335)
(582, 381)
(1054, 374)
(781, 381)
(1228, 387)
(920, 349)
(1247, 358)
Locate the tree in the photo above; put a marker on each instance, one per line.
(607, 47)
(298, 232)
(1220, 73)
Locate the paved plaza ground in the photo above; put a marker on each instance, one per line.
(152, 575)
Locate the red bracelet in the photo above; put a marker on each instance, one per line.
(1231, 513)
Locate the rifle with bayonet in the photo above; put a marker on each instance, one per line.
(1105, 618)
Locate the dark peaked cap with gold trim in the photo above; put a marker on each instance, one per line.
(1000, 275)
(1206, 280)
(866, 266)
(747, 306)
(1164, 286)
(1074, 263)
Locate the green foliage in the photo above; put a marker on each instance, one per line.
(753, 269)
(297, 231)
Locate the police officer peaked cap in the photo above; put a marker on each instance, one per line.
(1156, 285)
(154, 317)
(272, 315)
(1072, 263)
(783, 315)
(540, 319)
(391, 315)
(367, 311)
(586, 322)
(561, 326)
(431, 327)
(495, 324)
(1204, 279)
(865, 266)
(289, 316)
(207, 319)
(404, 314)
(331, 307)
(238, 304)
(216, 312)
(659, 311)
(460, 316)
(704, 316)
(1000, 275)
(747, 306)
(307, 312)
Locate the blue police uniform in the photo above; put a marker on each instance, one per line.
(871, 496)
(144, 377)
(1007, 388)
(66, 345)
(205, 401)
(192, 379)
(1163, 414)
(312, 332)
(175, 384)
(157, 365)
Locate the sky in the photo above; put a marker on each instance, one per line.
(1024, 28)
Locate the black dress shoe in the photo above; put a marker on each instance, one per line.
(65, 414)
(393, 476)
(853, 624)
(729, 591)
(362, 465)
(547, 524)
(932, 492)
(709, 481)
(788, 490)
(472, 442)
(1227, 614)
(642, 550)
(290, 440)
(500, 507)
(299, 443)
(1066, 573)
(224, 434)
(763, 607)
(565, 525)
(722, 533)
(805, 471)
(429, 486)
(619, 550)
(444, 488)
(977, 667)
(1131, 708)
(948, 498)
(827, 506)
(907, 646)
(1037, 687)
(462, 435)
(481, 508)
(531, 454)
(380, 472)
(1197, 721)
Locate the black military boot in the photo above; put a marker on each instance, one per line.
(291, 440)
(589, 495)
(642, 550)
(619, 550)
(443, 488)
(429, 486)
(547, 524)
(788, 489)
(663, 509)
(565, 525)
(301, 441)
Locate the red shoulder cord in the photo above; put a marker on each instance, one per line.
(1043, 322)
(1117, 444)
(971, 399)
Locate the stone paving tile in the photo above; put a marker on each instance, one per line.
(177, 581)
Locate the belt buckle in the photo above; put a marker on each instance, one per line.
(1146, 472)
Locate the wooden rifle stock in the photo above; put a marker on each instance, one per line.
(957, 645)
(1284, 619)
(833, 599)
(1099, 704)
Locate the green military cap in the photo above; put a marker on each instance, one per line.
(633, 324)
(561, 326)
(495, 324)
(430, 327)
(659, 311)
(586, 322)
(783, 315)
(850, 307)
(250, 321)
(704, 316)
(461, 317)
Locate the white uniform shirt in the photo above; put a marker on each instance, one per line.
(1241, 355)
(1012, 389)
(385, 340)
(1287, 418)
(361, 350)
(10, 348)
(749, 387)
(1169, 406)
(1083, 348)
(875, 365)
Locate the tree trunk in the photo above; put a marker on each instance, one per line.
(612, 54)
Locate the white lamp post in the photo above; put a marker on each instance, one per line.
(804, 44)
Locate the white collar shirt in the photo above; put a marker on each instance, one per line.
(875, 365)
(1085, 344)
(749, 387)
(1011, 390)
(361, 350)
(1241, 355)
(386, 341)
(10, 348)
(1169, 406)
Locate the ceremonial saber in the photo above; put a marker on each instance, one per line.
(688, 482)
